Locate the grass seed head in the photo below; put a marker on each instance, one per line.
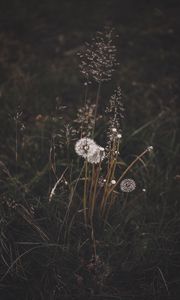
(98, 58)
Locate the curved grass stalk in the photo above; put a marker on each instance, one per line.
(110, 175)
(70, 202)
(123, 174)
(56, 184)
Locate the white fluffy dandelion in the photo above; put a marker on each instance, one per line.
(85, 147)
(97, 156)
(127, 185)
(88, 149)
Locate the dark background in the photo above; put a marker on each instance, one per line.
(38, 65)
(39, 35)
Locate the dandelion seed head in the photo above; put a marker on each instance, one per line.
(127, 185)
(88, 149)
(101, 148)
(85, 147)
(97, 156)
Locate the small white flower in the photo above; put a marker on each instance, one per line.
(114, 130)
(113, 181)
(143, 190)
(127, 185)
(150, 148)
(101, 181)
(85, 147)
(119, 135)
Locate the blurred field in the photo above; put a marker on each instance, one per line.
(38, 69)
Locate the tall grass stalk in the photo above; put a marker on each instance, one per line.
(97, 105)
(111, 189)
(85, 191)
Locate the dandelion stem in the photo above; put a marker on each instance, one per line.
(97, 172)
(92, 181)
(86, 93)
(110, 174)
(85, 191)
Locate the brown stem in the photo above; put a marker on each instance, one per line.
(97, 103)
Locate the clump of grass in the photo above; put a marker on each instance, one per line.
(97, 63)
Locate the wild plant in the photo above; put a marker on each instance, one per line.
(103, 178)
(19, 127)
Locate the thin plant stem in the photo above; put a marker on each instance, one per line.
(42, 139)
(127, 169)
(93, 240)
(86, 94)
(109, 207)
(65, 220)
(95, 191)
(125, 202)
(85, 191)
(85, 102)
(120, 178)
(115, 159)
(97, 104)
(56, 184)
(92, 181)
(16, 142)
(110, 174)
